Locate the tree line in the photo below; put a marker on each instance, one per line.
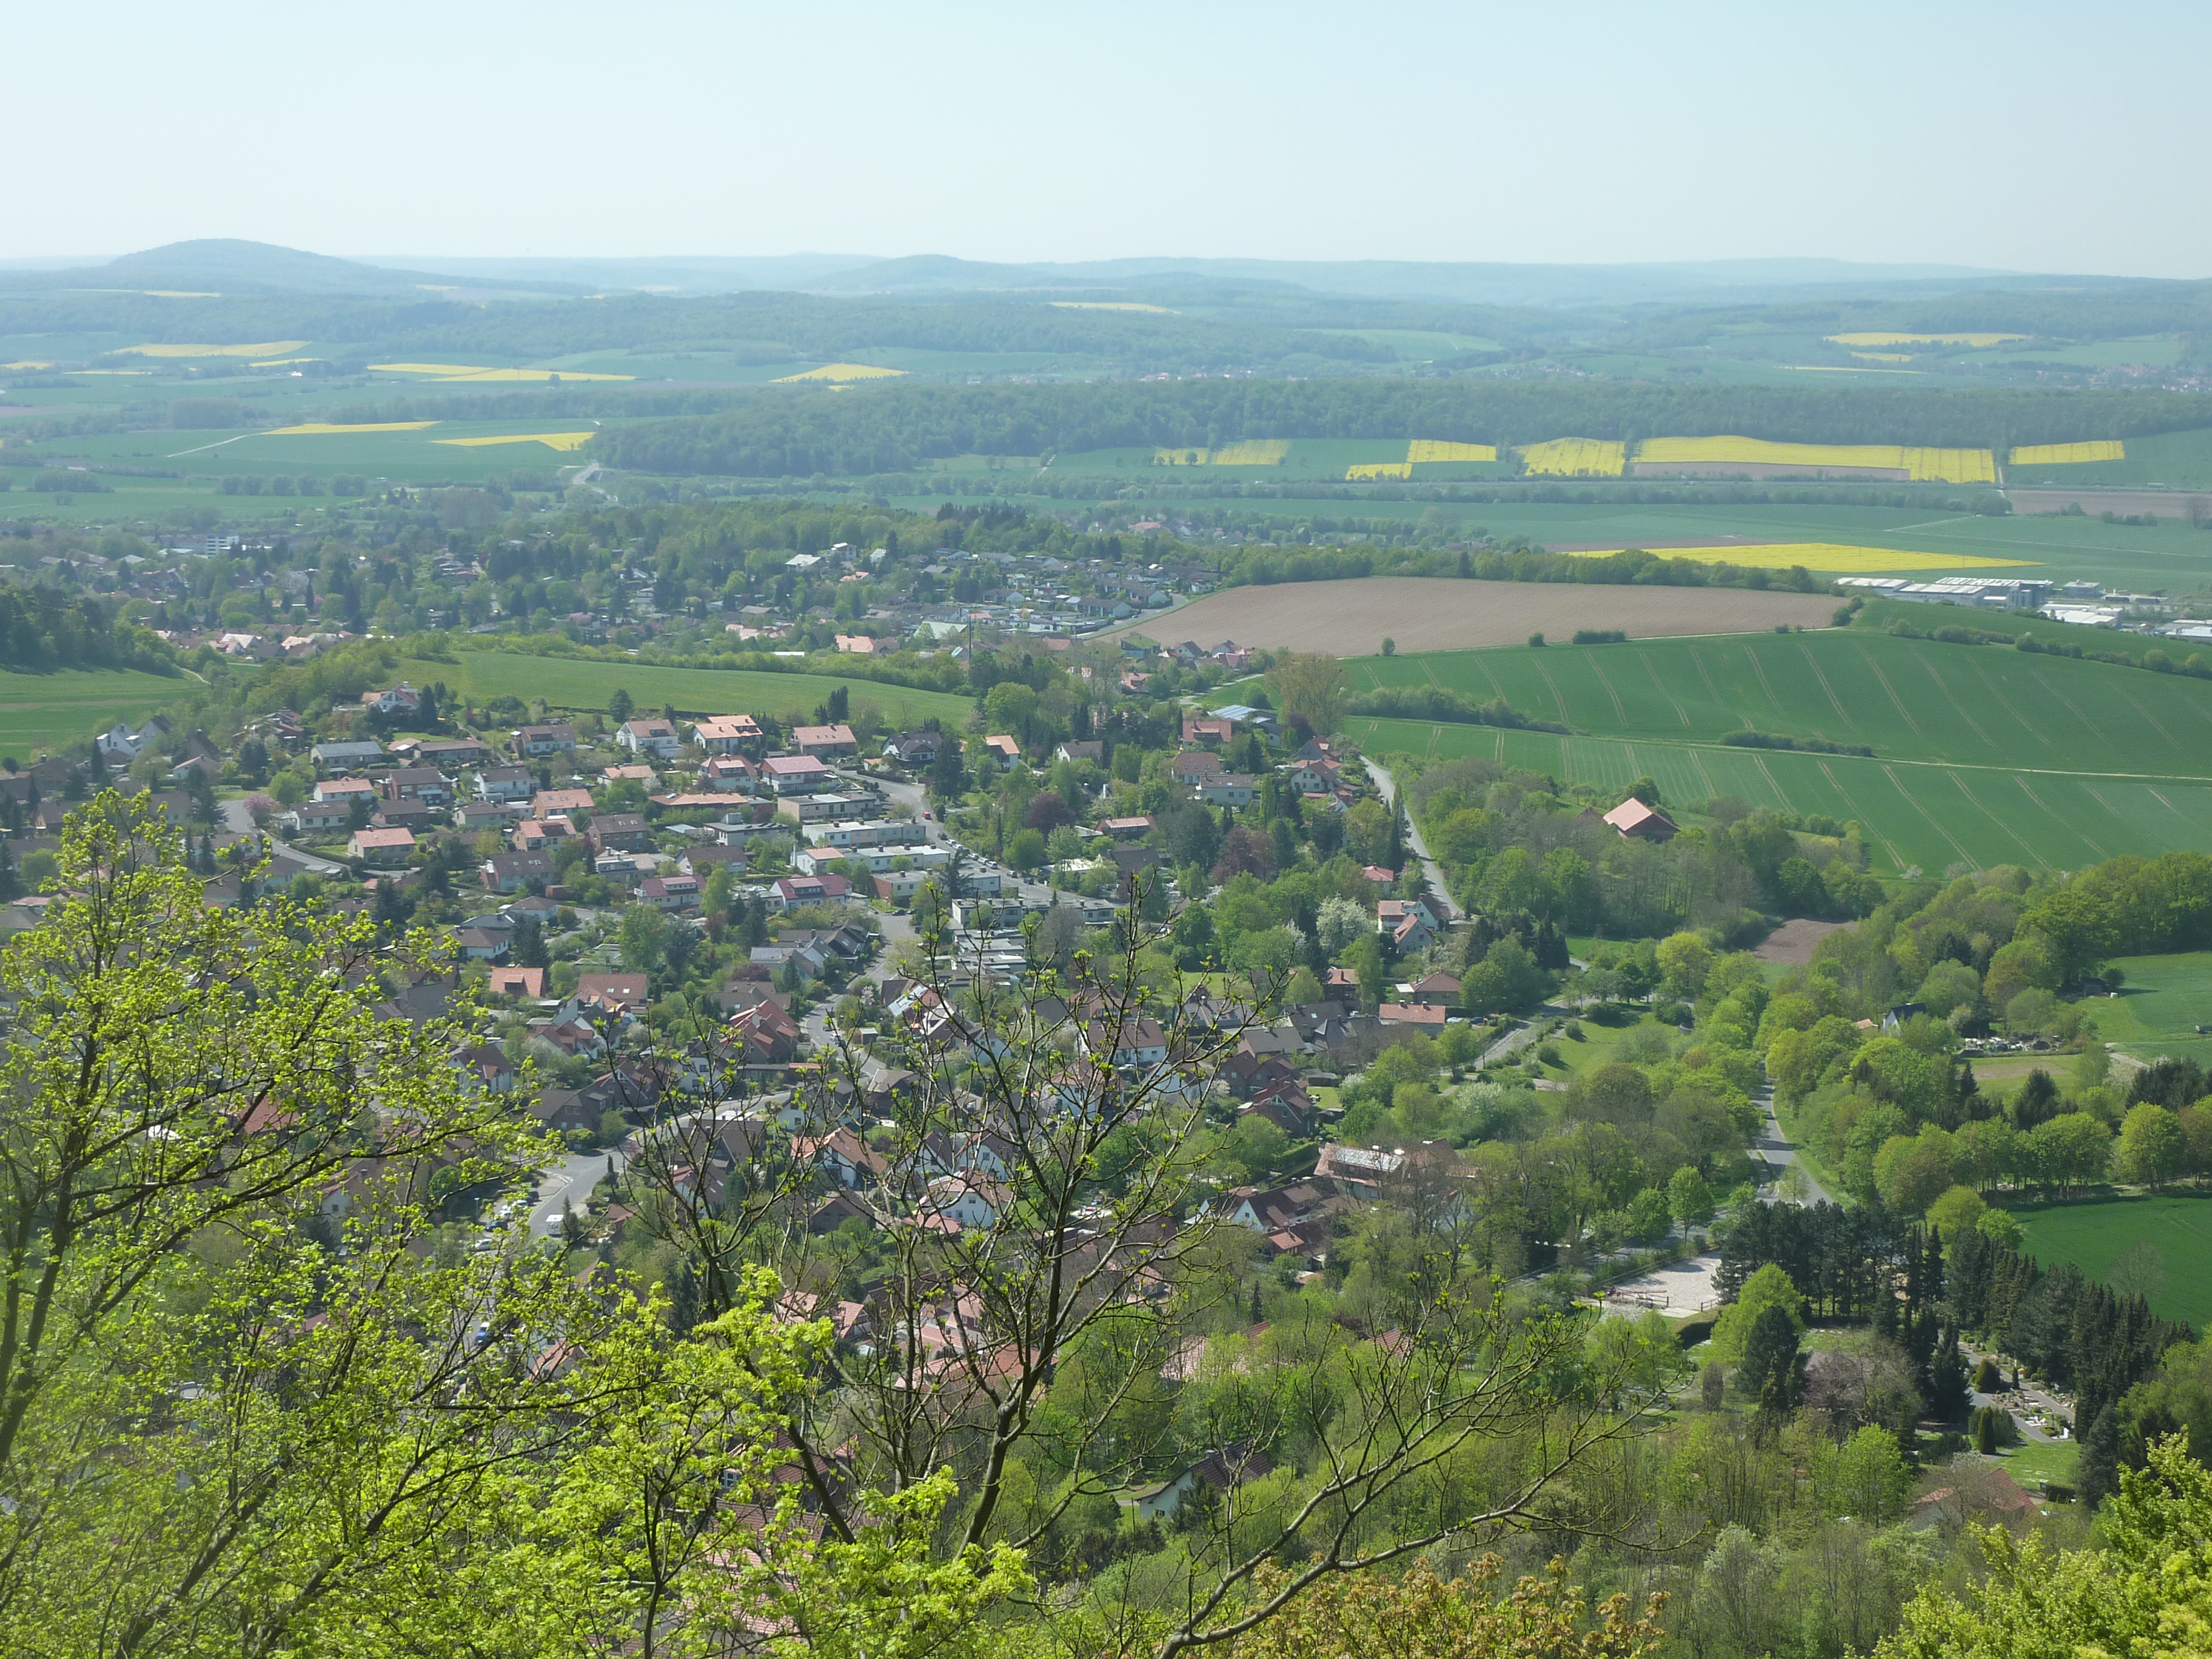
(42, 628)
(897, 427)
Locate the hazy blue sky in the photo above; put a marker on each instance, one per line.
(2033, 136)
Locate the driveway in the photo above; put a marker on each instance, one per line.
(1780, 1153)
(1430, 868)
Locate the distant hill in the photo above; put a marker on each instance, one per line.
(228, 266)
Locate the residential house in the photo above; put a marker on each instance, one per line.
(616, 993)
(728, 774)
(1219, 1472)
(840, 1157)
(401, 699)
(1439, 989)
(1128, 829)
(1129, 1039)
(528, 982)
(425, 784)
(505, 783)
(381, 846)
(510, 873)
(768, 1035)
(913, 748)
(1090, 750)
(418, 816)
(1194, 763)
(796, 775)
(825, 740)
(1225, 789)
(483, 944)
(474, 816)
(726, 734)
(703, 861)
(556, 738)
(1208, 729)
(311, 818)
(1418, 1016)
(789, 892)
(565, 803)
(652, 736)
(1003, 748)
(674, 893)
(971, 1202)
(619, 832)
(342, 756)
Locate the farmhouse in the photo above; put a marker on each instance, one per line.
(1637, 821)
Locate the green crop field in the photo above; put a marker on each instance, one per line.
(1917, 814)
(2093, 1235)
(572, 682)
(39, 713)
(1910, 699)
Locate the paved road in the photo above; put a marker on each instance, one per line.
(1430, 867)
(1779, 1152)
(568, 1182)
(235, 816)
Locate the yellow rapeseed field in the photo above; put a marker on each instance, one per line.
(561, 441)
(1371, 470)
(1925, 465)
(26, 365)
(264, 349)
(1182, 457)
(1576, 457)
(478, 372)
(1112, 305)
(1423, 451)
(840, 372)
(318, 429)
(1253, 452)
(2099, 449)
(286, 362)
(1878, 339)
(1818, 556)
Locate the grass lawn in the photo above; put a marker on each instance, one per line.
(1599, 1045)
(2034, 1462)
(2093, 1233)
(2162, 1002)
(39, 713)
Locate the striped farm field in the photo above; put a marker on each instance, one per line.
(834, 372)
(1909, 700)
(1975, 340)
(1916, 815)
(1576, 457)
(1253, 452)
(1908, 462)
(2109, 449)
(1424, 452)
(1825, 556)
(563, 442)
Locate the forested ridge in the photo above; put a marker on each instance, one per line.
(895, 429)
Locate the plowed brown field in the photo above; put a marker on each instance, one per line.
(1428, 613)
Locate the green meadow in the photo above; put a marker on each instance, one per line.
(2093, 1235)
(39, 713)
(1974, 705)
(2162, 1003)
(570, 682)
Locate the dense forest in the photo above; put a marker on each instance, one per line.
(895, 429)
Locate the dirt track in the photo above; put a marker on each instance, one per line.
(1430, 613)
